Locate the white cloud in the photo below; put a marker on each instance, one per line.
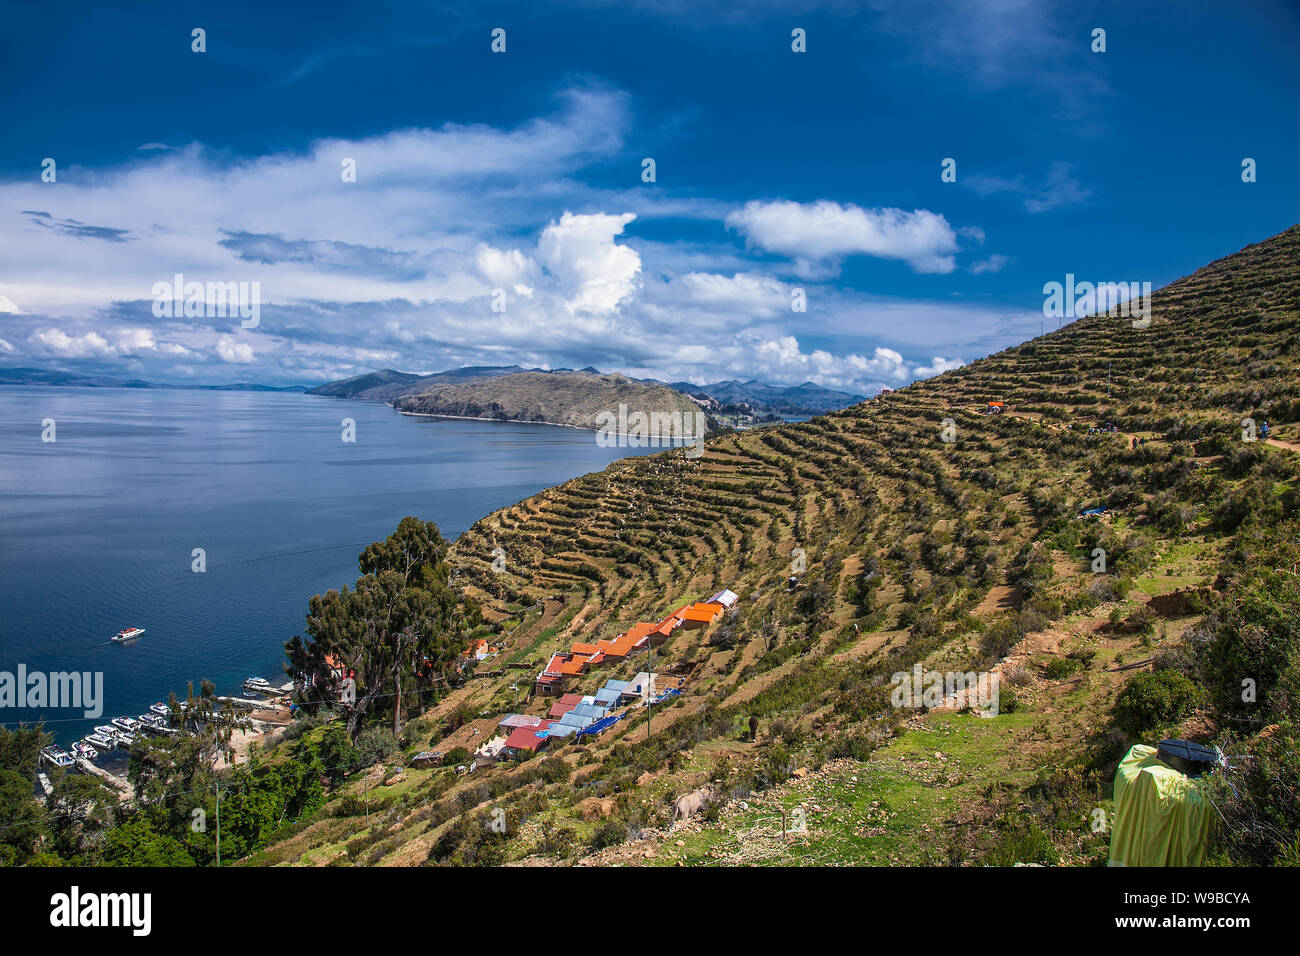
(135, 340)
(759, 294)
(59, 343)
(937, 364)
(506, 268)
(1058, 188)
(595, 272)
(821, 233)
(230, 349)
(7, 305)
(994, 263)
(397, 269)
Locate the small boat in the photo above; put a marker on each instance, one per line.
(126, 634)
(57, 756)
(161, 709)
(259, 684)
(152, 722)
(102, 741)
(129, 724)
(84, 750)
(108, 731)
(125, 739)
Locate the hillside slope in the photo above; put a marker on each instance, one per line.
(388, 384)
(923, 532)
(560, 398)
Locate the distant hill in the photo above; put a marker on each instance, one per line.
(54, 378)
(42, 376)
(388, 384)
(559, 398)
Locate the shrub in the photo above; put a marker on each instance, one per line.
(1021, 843)
(1155, 700)
(1259, 801)
(1257, 637)
(608, 833)
(1059, 668)
(374, 744)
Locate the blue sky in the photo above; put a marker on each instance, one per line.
(521, 171)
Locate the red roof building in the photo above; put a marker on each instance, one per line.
(564, 705)
(528, 739)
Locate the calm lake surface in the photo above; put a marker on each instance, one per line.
(97, 528)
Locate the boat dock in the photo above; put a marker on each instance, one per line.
(112, 780)
(244, 702)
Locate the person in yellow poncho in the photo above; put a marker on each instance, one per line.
(1162, 817)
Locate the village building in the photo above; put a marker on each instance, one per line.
(527, 740)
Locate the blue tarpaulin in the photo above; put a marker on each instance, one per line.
(600, 725)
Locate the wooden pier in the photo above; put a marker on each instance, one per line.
(114, 781)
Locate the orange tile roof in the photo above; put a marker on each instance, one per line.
(574, 665)
(585, 648)
(698, 612)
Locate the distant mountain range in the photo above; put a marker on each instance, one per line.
(806, 399)
(388, 385)
(50, 377)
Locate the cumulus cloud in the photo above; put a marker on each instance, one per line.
(506, 268)
(230, 349)
(597, 272)
(824, 232)
(937, 364)
(59, 343)
(398, 269)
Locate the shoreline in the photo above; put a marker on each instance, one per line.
(484, 418)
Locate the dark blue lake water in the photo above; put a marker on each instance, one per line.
(97, 528)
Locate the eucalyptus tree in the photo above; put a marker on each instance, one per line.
(396, 629)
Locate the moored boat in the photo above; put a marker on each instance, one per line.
(84, 750)
(56, 756)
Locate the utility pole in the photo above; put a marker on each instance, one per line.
(649, 689)
(218, 823)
